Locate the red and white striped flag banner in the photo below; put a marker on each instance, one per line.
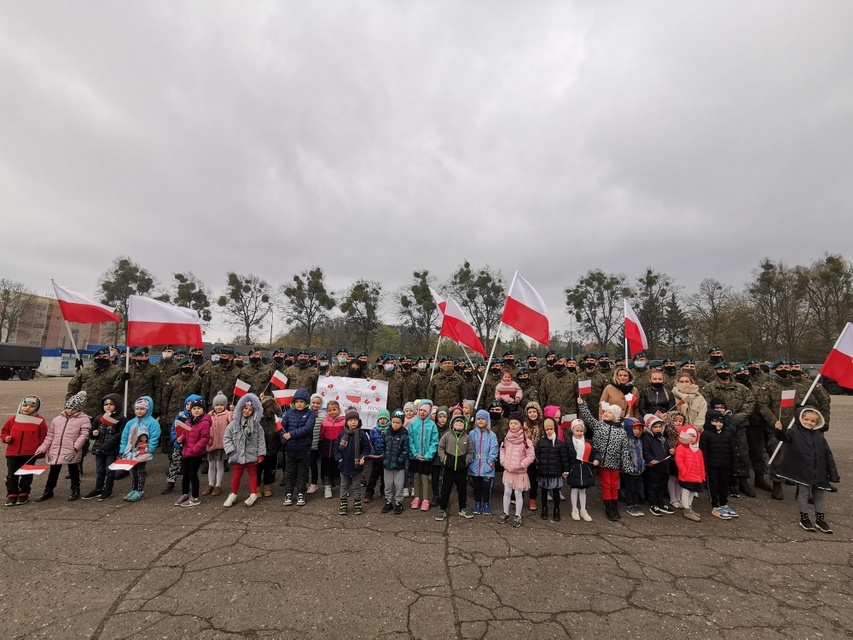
(788, 396)
(180, 425)
(568, 418)
(241, 388)
(75, 307)
(22, 419)
(634, 333)
(584, 387)
(151, 321)
(122, 465)
(525, 311)
(31, 470)
(283, 396)
(278, 380)
(839, 362)
(630, 399)
(108, 420)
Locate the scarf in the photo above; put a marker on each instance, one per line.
(580, 444)
(685, 392)
(342, 445)
(248, 425)
(626, 388)
(516, 438)
(694, 447)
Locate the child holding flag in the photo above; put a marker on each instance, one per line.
(106, 437)
(22, 433)
(63, 444)
(143, 424)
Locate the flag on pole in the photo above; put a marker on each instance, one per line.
(525, 311)
(278, 380)
(839, 362)
(241, 388)
(108, 421)
(788, 396)
(182, 426)
(455, 326)
(584, 387)
(22, 419)
(634, 333)
(31, 469)
(630, 399)
(150, 321)
(122, 465)
(76, 307)
(283, 396)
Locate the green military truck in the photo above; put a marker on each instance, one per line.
(19, 360)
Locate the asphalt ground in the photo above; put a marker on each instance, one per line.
(152, 570)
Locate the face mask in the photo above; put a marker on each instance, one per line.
(200, 358)
(167, 356)
(407, 366)
(141, 363)
(796, 373)
(669, 370)
(288, 361)
(782, 373)
(278, 359)
(388, 368)
(458, 368)
(187, 370)
(743, 378)
(754, 371)
(214, 358)
(559, 367)
(102, 363)
(656, 385)
(572, 369)
(715, 359)
(639, 366)
(605, 366)
(723, 376)
(422, 366)
(433, 366)
(495, 416)
(254, 360)
(524, 379)
(589, 366)
(225, 362)
(342, 360)
(323, 364)
(532, 365)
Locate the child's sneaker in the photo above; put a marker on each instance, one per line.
(356, 507)
(732, 513)
(717, 512)
(24, 498)
(516, 523)
(406, 492)
(398, 509)
(300, 500)
(806, 523)
(487, 509)
(103, 497)
(666, 510)
(676, 504)
(343, 508)
(180, 501)
(192, 502)
(823, 525)
(94, 493)
(134, 496)
(692, 515)
(230, 500)
(11, 501)
(425, 505)
(416, 503)
(655, 511)
(388, 507)
(634, 510)
(576, 515)
(504, 518)
(312, 488)
(327, 491)
(585, 516)
(253, 497)
(288, 500)
(478, 508)
(466, 513)
(440, 515)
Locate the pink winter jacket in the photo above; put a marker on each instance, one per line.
(219, 422)
(517, 452)
(65, 438)
(195, 442)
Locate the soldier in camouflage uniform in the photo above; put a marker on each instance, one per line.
(757, 376)
(340, 365)
(221, 378)
(97, 380)
(605, 365)
(446, 388)
(670, 372)
(413, 382)
(301, 375)
(145, 380)
(560, 388)
(168, 364)
(641, 370)
(472, 383)
(255, 372)
(533, 369)
(175, 390)
(493, 377)
(202, 366)
(499, 422)
(705, 370)
(590, 371)
(756, 431)
(528, 388)
(389, 374)
(740, 401)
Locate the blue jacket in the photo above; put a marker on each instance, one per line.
(396, 453)
(135, 427)
(485, 445)
(347, 463)
(300, 425)
(423, 438)
(377, 442)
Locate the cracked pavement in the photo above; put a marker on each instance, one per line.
(118, 570)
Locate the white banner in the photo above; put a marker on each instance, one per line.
(365, 396)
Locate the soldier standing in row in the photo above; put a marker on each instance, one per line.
(446, 388)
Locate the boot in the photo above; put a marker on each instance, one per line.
(615, 506)
(745, 489)
(75, 493)
(761, 483)
(170, 486)
(777, 491)
(47, 495)
(267, 491)
(557, 511)
(356, 507)
(342, 510)
(576, 514)
(544, 514)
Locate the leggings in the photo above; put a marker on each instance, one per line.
(803, 499)
(609, 479)
(579, 498)
(215, 473)
(137, 477)
(519, 499)
(687, 498)
(189, 475)
(482, 488)
(238, 475)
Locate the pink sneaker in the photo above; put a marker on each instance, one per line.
(416, 503)
(425, 505)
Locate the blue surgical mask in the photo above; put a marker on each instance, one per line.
(389, 368)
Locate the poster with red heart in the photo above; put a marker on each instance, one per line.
(365, 396)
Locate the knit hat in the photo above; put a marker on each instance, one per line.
(686, 432)
(409, 406)
(517, 415)
(143, 402)
(458, 420)
(383, 413)
(484, 415)
(615, 409)
(649, 419)
(425, 403)
(441, 410)
(318, 396)
(76, 402)
(577, 422)
(198, 402)
(220, 398)
(398, 413)
(352, 415)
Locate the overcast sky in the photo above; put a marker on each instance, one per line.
(375, 138)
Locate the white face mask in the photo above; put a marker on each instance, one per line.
(422, 366)
(389, 368)
(214, 357)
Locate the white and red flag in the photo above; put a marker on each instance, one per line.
(839, 362)
(788, 396)
(630, 399)
(278, 380)
(183, 426)
(150, 321)
(283, 396)
(122, 465)
(22, 419)
(634, 334)
(108, 421)
(31, 469)
(241, 388)
(455, 326)
(584, 387)
(76, 307)
(525, 311)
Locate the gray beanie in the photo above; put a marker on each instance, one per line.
(220, 398)
(77, 401)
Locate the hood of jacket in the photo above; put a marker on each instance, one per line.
(38, 403)
(301, 394)
(150, 409)
(534, 405)
(820, 420)
(256, 404)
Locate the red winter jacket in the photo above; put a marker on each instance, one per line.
(691, 464)
(25, 437)
(329, 431)
(195, 442)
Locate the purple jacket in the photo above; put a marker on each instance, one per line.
(195, 442)
(65, 438)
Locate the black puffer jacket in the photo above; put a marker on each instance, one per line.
(808, 459)
(552, 459)
(718, 446)
(107, 442)
(655, 449)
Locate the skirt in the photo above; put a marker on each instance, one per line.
(698, 487)
(215, 455)
(550, 482)
(518, 481)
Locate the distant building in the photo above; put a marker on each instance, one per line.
(42, 325)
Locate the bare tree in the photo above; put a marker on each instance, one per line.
(17, 303)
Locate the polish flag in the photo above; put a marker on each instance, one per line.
(788, 396)
(278, 425)
(584, 387)
(23, 419)
(567, 419)
(525, 311)
(278, 380)
(630, 399)
(180, 425)
(839, 362)
(122, 465)
(283, 396)
(108, 421)
(241, 388)
(634, 333)
(455, 326)
(76, 307)
(150, 321)
(31, 469)
(439, 301)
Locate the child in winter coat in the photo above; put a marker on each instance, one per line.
(808, 462)
(220, 418)
(633, 467)
(331, 428)
(691, 469)
(105, 434)
(583, 461)
(482, 466)
(395, 457)
(141, 424)
(351, 447)
(316, 405)
(533, 429)
(193, 449)
(297, 430)
(423, 445)
(508, 393)
(22, 433)
(63, 444)
(671, 424)
(552, 459)
(517, 453)
(719, 451)
(658, 458)
(611, 441)
(245, 446)
(176, 460)
(442, 423)
(377, 449)
(270, 425)
(456, 453)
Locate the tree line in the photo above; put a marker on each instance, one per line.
(783, 311)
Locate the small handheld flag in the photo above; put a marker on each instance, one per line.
(241, 388)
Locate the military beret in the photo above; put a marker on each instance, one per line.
(323, 355)
(185, 361)
(140, 351)
(714, 347)
(238, 354)
(362, 354)
(303, 352)
(740, 366)
(722, 364)
(603, 354)
(341, 350)
(750, 361)
(523, 371)
(558, 356)
(532, 354)
(509, 352)
(278, 352)
(227, 351)
(667, 360)
(104, 351)
(591, 356)
(779, 363)
(168, 347)
(550, 352)
(687, 360)
(641, 354)
(180, 352)
(194, 349)
(793, 361)
(445, 358)
(655, 363)
(216, 349)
